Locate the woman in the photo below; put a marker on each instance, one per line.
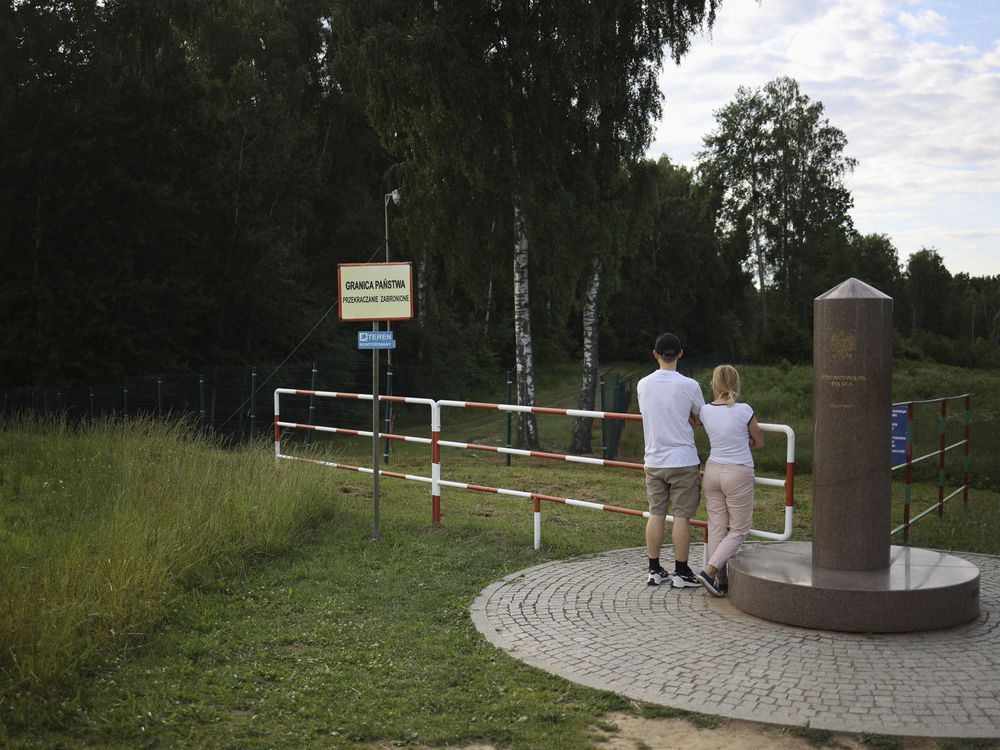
(729, 481)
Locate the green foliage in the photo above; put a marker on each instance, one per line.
(521, 136)
(945, 318)
(166, 185)
(168, 593)
(780, 166)
(103, 525)
(679, 277)
(140, 535)
(180, 181)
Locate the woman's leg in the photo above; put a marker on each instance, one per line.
(737, 485)
(718, 513)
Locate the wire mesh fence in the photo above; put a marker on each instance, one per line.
(236, 404)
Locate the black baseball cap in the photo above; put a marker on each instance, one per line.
(667, 345)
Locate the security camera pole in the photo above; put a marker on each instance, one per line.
(374, 292)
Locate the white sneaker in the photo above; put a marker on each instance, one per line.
(656, 577)
(684, 580)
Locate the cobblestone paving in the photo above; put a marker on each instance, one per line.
(594, 621)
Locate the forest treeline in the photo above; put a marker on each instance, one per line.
(180, 179)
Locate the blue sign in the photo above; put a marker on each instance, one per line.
(898, 435)
(376, 340)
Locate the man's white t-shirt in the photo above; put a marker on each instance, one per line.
(728, 433)
(666, 400)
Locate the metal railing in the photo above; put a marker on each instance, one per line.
(943, 448)
(437, 443)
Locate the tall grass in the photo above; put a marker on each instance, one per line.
(102, 525)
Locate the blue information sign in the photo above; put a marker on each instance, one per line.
(898, 435)
(376, 340)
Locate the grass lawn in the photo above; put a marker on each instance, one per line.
(161, 592)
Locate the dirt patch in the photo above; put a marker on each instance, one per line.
(621, 731)
(638, 733)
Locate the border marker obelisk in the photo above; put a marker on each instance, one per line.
(852, 399)
(850, 577)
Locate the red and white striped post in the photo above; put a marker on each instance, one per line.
(277, 429)
(942, 440)
(908, 474)
(966, 454)
(435, 463)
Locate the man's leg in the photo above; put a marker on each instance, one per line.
(658, 495)
(655, 531)
(680, 535)
(686, 491)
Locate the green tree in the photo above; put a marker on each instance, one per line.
(491, 108)
(174, 178)
(877, 262)
(682, 276)
(931, 293)
(782, 165)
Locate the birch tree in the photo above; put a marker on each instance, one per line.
(493, 107)
(618, 98)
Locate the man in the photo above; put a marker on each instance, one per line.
(670, 403)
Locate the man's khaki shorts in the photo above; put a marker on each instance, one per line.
(680, 486)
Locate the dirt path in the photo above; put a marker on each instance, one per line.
(637, 733)
(621, 731)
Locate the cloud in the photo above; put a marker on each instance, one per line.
(927, 22)
(919, 107)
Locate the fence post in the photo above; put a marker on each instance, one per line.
(125, 400)
(604, 424)
(943, 428)
(91, 402)
(908, 474)
(312, 405)
(436, 463)
(201, 399)
(277, 430)
(159, 397)
(966, 456)
(614, 428)
(388, 408)
(538, 524)
(253, 409)
(510, 395)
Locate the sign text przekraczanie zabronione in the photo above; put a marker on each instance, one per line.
(358, 281)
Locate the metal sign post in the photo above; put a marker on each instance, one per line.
(376, 474)
(376, 340)
(374, 292)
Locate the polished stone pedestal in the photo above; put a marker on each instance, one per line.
(920, 590)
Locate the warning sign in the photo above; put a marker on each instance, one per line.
(375, 291)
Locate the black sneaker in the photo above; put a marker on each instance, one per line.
(656, 577)
(684, 580)
(710, 584)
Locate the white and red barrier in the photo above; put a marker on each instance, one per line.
(943, 448)
(437, 443)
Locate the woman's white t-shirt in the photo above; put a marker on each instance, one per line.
(728, 432)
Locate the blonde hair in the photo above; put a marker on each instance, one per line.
(726, 383)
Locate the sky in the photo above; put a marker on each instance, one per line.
(913, 84)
